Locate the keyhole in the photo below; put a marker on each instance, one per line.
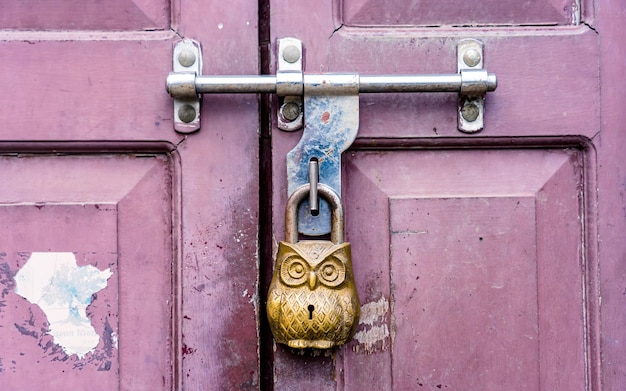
(311, 308)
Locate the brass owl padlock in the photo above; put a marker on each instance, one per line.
(312, 300)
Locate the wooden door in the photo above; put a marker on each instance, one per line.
(485, 261)
(127, 251)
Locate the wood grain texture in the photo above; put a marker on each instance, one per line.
(480, 295)
(611, 194)
(85, 15)
(90, 206)
(538, 109)
(220, 194)
(538, 92)
(84, 91)
(466, 13)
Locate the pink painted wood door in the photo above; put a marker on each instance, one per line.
(490, 261)
(128, 252)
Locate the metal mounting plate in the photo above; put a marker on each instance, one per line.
(187, 59)
(290, 115)
(471, 109)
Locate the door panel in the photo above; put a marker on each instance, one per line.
(473, 291)
(469, 13)
(85, 82)
(534, 74)
(85, 208)
(85, 15)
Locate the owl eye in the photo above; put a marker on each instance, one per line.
(294, 271)
(332, 272)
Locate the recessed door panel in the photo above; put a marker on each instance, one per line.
(85, 15)
(86, 269)
(474, 291)
(459, 13)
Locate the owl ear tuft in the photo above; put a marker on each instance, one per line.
(288, 249)
(341, 251)
(286, 246)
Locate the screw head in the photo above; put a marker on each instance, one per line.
(471, 57)
(290, 111)
(187, 113)
(291, 54)
(186, 57)
(470, 111)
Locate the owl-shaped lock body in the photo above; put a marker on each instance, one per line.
(312, 300)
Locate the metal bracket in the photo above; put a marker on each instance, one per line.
(289, 77)
(471, 103)
(187, 64)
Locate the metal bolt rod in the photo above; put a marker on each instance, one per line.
(410, 83)
(257, 84)
(185, 85)
(418, 83)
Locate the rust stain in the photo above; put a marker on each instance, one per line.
(325, 117)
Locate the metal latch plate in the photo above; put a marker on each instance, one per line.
(187, 60)
(471, 109)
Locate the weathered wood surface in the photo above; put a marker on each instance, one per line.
(419, 195)
(90, 78)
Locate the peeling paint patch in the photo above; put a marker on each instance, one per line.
(373, 333)
(63, 290)
(114, 339)
(252, 298)
(374, 311)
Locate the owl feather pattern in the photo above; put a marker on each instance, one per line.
(313, 302)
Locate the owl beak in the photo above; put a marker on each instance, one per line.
(312, 280)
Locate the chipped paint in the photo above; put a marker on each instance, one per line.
(373, 334)
(374, 311)
(576, 12)
(114, 339)
(371, 338)
(63, 290)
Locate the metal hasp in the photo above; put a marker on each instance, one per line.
(187, 65)
(327, 105)
(331, 113)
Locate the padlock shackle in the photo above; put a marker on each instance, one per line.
(291, 212)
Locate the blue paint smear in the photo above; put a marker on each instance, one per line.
(73, 285)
